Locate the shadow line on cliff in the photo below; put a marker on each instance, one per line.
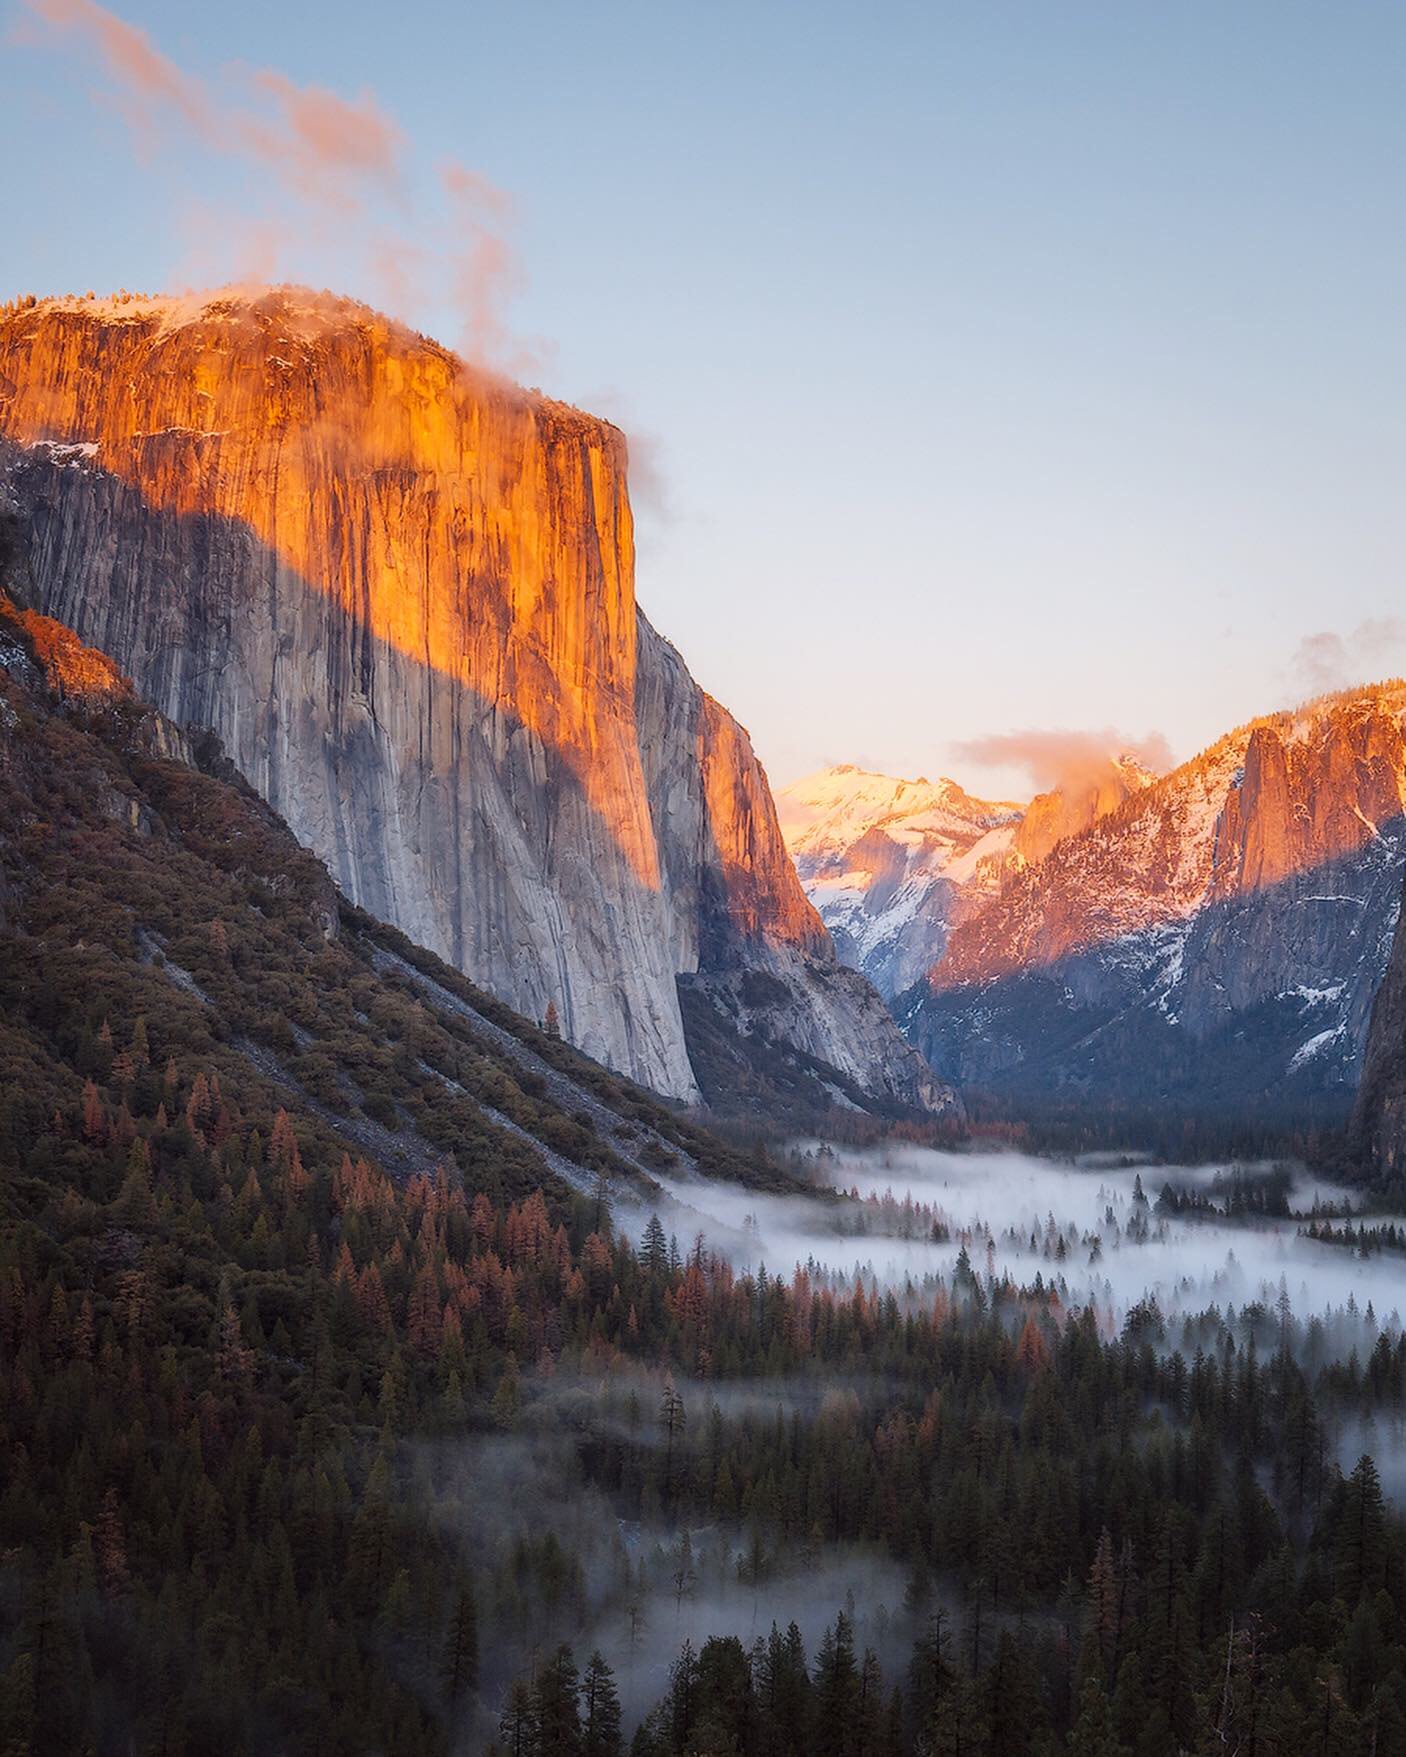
(323, 711)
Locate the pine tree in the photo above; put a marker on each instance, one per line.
(600, 1710)
(837, 1692)
(672, 1418)
(681, 1705)
(1169, 1644)
(727, 1706)
(556, 1707)
(1098, 1652)
(1011, 1702)
(782, 1689)
(517, 1726)
(1361, 1534)
(931, 1675)
(459, 1665)
(1092, 1734)
(654, 1248)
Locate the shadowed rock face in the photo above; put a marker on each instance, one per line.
(1379, 1119)
(403, 596)
(746, 941)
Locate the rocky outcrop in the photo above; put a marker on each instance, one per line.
(402, 595)
(1080, 800)
(1379, 1117)
(1216, 938)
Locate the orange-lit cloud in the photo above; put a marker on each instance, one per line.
(321, 140)
(320, 157)
(149, 80)
(1058, 758)
(484, 270)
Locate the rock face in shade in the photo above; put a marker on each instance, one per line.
(403, 596)
(1213, 942)
(1379, 1119)
(751, 951)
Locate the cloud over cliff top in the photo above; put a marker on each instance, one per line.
(1063, 758)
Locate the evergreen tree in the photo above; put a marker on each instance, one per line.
(459, 1665)
(600, 1710)
(1098, 1651)
(654, 1249)
(1361, 1544)
(836, 1727)
(727, 1715)
(1092, 1734)
(681, 1705)
(517, 1727)
(556, 1707)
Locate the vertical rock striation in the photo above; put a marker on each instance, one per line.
(1379, 1118)
(402, 593)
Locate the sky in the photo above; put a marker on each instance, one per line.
(988, 367)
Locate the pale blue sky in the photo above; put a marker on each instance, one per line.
(1005, 365)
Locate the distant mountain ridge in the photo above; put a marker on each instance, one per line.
(890, 863)
(1215, 940)
(894, 866)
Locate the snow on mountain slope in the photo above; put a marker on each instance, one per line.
(894, 866)
(891, 864)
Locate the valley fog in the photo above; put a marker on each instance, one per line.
(901, 1215)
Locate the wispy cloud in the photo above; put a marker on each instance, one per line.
(1327, 660)
(1055, 758)
(321, 159)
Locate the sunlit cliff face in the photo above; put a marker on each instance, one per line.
(481, 531)
(762, 896)
(1268, 804)
(1081, 798)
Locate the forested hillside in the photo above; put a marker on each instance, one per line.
(314, 1318)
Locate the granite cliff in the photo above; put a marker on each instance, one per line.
(1379, 1118)
(402, 595)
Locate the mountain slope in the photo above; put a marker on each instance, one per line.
(285, 1203)
(1214, 941)
(891, 864)
(402, 596)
